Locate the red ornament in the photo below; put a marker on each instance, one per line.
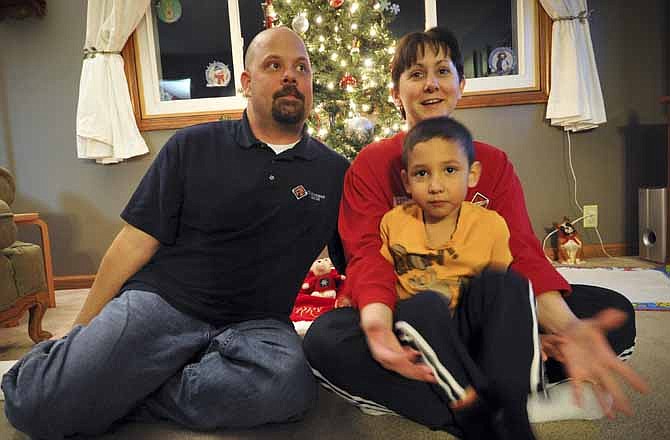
(336, 3)
(269, 14)
(348, 80)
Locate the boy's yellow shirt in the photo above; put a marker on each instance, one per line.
(480, 240)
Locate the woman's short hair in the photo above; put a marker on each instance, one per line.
(411, 47)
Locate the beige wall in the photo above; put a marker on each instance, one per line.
(40, 62)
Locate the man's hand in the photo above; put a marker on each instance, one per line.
(376, 321)
(587, 356)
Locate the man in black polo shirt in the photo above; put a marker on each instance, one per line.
(188, 317)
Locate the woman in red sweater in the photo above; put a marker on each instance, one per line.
(355, 350)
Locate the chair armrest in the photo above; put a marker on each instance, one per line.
(33, 218)
(29, 217)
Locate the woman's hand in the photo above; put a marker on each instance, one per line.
(550, 346)
(587, 356)
(342, 301)
(376, 321)
(581, 345)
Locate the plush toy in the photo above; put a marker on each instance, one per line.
(317, 294)
(569, 243)
(322, 280)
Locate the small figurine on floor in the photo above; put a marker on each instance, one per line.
(317, 294)
(569, 243)
(322, 279)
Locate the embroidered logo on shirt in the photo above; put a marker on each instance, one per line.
(480, 199)
(299, 192)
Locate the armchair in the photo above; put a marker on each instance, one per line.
(26, 277)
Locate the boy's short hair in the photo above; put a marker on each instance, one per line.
(442, 127)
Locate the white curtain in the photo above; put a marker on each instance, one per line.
(106, 128)
(575, 100)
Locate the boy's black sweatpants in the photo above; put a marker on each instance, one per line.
(490, 343)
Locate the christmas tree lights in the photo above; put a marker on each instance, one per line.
(350, 48)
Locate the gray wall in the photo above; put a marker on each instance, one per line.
(40, 62)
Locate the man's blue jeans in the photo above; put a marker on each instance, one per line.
(141, 352)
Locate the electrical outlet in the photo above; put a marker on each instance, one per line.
(590, 216)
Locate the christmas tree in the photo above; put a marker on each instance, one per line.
(350, 48)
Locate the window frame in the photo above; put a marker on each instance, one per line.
(531, 86)
(151, 114)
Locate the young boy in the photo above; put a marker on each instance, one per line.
(438, 242)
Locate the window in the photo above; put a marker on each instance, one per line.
(183, 67)
(505, 45)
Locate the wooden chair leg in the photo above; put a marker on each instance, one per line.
(35, 323)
